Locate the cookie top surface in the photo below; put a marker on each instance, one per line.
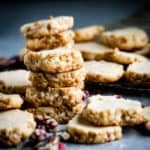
(91, 46)
(85, 126)
(103, 67)
(101, 103)
(140, 67)
(129, 31)
(16, 119)
(15, 78)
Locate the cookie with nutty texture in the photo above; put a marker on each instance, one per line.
(81, 131)
(125, 39)
(50, 42)
(92, 50)
(47, 27)
(123, 57)
(14, 81)
(109, 110)
(146, 112)
(144, 51)
(88, 33)
(8, 101)
(103, 71)
(61, 114)
(138, 72)
(65, 79)
(15, 126)
(68, 96)
(54, 61)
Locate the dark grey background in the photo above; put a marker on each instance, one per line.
(15, 13)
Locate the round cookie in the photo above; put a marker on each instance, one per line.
(65, 79)
(47, 27)
(126, 38)
(102, 71)
(8, 101)
(15, 81)
(109, 110)
(54, 61)
(138, 72)
(123, 57)
(15, 126)
(50, 42)
(92, 50)
(61, 114)
(88, 33)
(68, 96)
(83, 132)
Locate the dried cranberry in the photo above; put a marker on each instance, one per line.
(62, 146)
(118, 96)
(86, 95)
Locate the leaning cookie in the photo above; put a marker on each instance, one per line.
(88, 33)
(84, 132)
(9, 101)
(126, 38)
(54, 61)
(15, 81)
(103, 71)
(109, 110)
(61, 114)
(138, 72)
(146, 112)
(15, 126)
(65, 79)
(123, 57)
(68, 96)
(47, 27)
(92, 50)
(50, 42)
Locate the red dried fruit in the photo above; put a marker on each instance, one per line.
(118, 96)
(86, 95)
(62, 146)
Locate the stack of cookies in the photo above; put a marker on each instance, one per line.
(102, 118)
(56, 69)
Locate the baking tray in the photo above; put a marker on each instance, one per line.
(131, 135)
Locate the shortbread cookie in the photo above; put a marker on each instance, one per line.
(145, 51)
(138, 72)
(15, 81)
(102, 71)
(15, 126)
(126, 38)
(68, 96)
(65, 79)
(123, 57)
(92, 50)
(8, 101)
(108, 110)
(50, 42)
(61, 114)
(88, 33)
(47, 27)
(146, 112)
(54, 61)
(82, 131)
